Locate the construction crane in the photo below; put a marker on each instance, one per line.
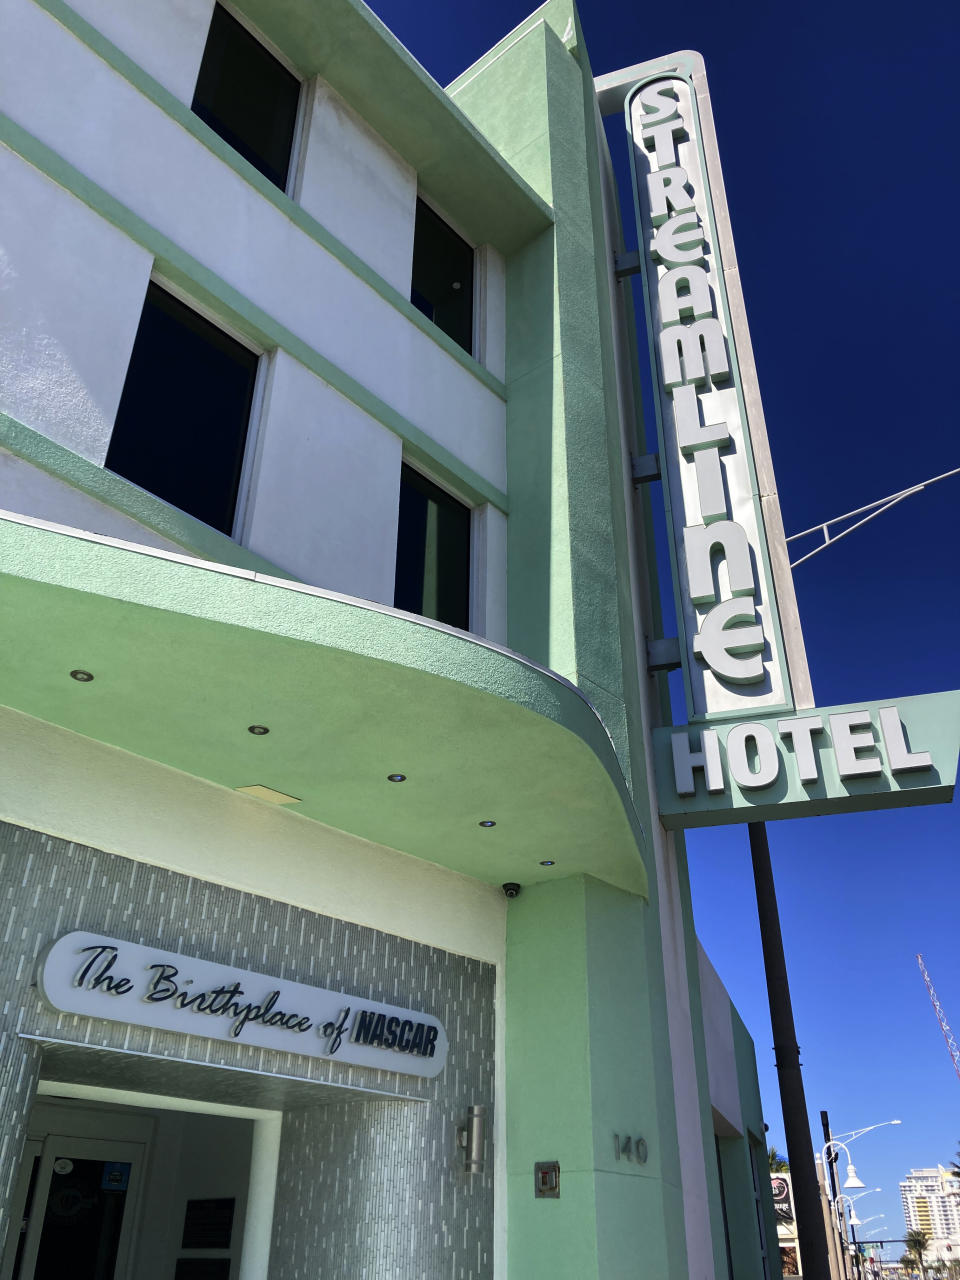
(941, 1018)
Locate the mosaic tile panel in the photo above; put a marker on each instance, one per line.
(379, 1192)
(365, 1188)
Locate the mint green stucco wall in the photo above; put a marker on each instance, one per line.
(584, 1060)
(754, 1131)
(569, 593)
(714, 1201)
(579, 958)
(744, 1219)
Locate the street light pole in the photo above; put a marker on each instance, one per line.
(828, 1158)
(838, 1269)
(830, 1167)
(856, 1248)
(811, 1235)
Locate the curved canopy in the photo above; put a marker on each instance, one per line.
(186, 655)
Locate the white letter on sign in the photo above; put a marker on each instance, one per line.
(846, 744)
(768, 757)
(800, 730)
(667, 187)
(713, 497)
(899, 755)
(685, 761)
(659, 101)
(717, 645)
(679, 242)
(696, 299)
(698, 543)
(690, 341)
(691, 436)
(661, 137)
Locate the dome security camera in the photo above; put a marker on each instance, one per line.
(511, 890)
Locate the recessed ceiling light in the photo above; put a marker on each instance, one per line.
(258, 730)
(548, 862)
(83, 676)
(487, 822)
(396, 777)
(268, 793)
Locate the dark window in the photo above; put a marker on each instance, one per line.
(182, 422)
(248, 97)
(443, 277)
(433, 552)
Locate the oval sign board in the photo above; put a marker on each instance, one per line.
(100, 977)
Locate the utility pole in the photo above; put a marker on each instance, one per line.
(811, 1235)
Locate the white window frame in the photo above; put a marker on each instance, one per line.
(251, 447)
(489, 310)
(477, 288)
(487, 588)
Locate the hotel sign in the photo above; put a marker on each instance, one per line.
(755, 747)
(740, 639)
(97, 977)
(871, 755)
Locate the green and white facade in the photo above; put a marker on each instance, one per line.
(581, 1013)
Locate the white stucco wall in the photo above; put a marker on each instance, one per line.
(117, 137)
(26, 490)
(358, 187)
(488, 574)
(167, 39)
(76, 788)
(326, 487)
(721, 1051)
(71, 292)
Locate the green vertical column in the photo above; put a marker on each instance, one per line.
(740, 1204)
(750, 1243)
(586, 1059)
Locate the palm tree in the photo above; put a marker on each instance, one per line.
(778, 1164)
(955, 1166)
(917, 1242)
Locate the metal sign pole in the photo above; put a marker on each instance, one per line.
(811, 1235)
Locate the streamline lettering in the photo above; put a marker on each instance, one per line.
(693, 358)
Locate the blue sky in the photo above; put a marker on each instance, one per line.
(836, 127)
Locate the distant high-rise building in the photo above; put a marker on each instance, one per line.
(931, 1203)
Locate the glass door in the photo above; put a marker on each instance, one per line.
(79, 1210)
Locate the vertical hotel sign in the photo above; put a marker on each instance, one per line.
(740, 640)
(754, 747)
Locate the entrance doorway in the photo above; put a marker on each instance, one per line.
(122, 1192)
(77, 1201)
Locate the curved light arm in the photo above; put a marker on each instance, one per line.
(858, 1133)
(853, 1220)
(826, 1157)
(865, 1193)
